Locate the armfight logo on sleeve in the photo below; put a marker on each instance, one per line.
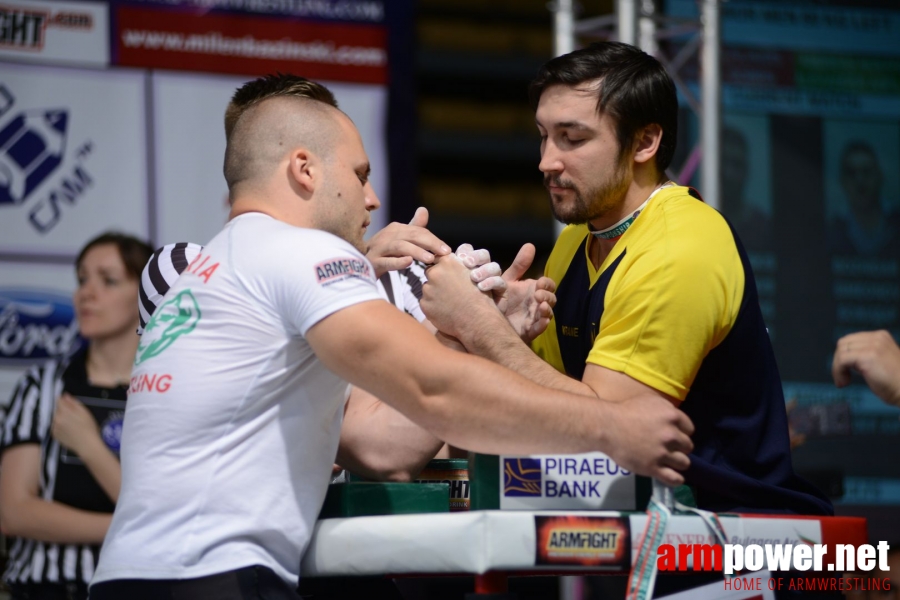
(338, 269)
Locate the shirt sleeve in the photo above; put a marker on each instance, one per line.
(31, 406)
(668, 307)
(325, 274)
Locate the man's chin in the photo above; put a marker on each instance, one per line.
(569, 220)
(361, 245)
(567, 217)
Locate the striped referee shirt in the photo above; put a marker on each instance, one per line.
(401, 288)
(28, 422)
(161, 271)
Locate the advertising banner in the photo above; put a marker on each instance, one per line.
(583, 541)
(371, 12)
(188, 39)
(590, 481)
(46, 31)
(72, 158)
(848, 29)
(37, 320)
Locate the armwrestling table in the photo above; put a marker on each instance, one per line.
(492, 544)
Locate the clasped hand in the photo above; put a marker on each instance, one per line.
(527, 304)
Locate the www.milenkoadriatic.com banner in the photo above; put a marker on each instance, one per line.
(333, 40)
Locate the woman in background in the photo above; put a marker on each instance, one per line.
(59, 472)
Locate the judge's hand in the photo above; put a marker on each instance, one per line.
(874, 355)
(397, 245)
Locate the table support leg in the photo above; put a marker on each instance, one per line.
(492, 582)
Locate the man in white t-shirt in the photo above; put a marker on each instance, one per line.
(376, 440)
(241, 375)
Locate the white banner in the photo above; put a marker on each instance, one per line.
(44, 31)
(188, 114)
(591, 481)
(72, 157)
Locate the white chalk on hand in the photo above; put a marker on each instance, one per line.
(492, 284)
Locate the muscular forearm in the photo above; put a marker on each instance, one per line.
(473, 403)
(378, 442)
(464, 400)
(497, 341)
(476, 405)
(47, 521)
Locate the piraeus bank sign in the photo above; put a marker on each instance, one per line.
(566, 481)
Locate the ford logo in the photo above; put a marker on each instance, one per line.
(36, 325)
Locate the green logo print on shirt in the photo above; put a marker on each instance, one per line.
(173, 319)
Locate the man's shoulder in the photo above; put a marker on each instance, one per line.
(683, 235)
(686, 202)
(261, 239)
(682, 217)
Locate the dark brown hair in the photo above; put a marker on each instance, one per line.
(633, 88)
(271, 86)
(134, 252)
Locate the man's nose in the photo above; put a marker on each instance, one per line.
(372, 201)
(550, 160)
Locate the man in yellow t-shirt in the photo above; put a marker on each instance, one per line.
(655, 292)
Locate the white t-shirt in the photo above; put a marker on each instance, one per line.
(232, 422)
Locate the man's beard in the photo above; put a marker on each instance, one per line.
(594, 203)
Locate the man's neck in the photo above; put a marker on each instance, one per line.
(267, 205)
(642, 186)
(644, 182)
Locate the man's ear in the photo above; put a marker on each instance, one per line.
(303, 170)
(647, 143)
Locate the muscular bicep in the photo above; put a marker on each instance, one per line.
(378, 348)
(615, 386)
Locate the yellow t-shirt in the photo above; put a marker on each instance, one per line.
(667, 294)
